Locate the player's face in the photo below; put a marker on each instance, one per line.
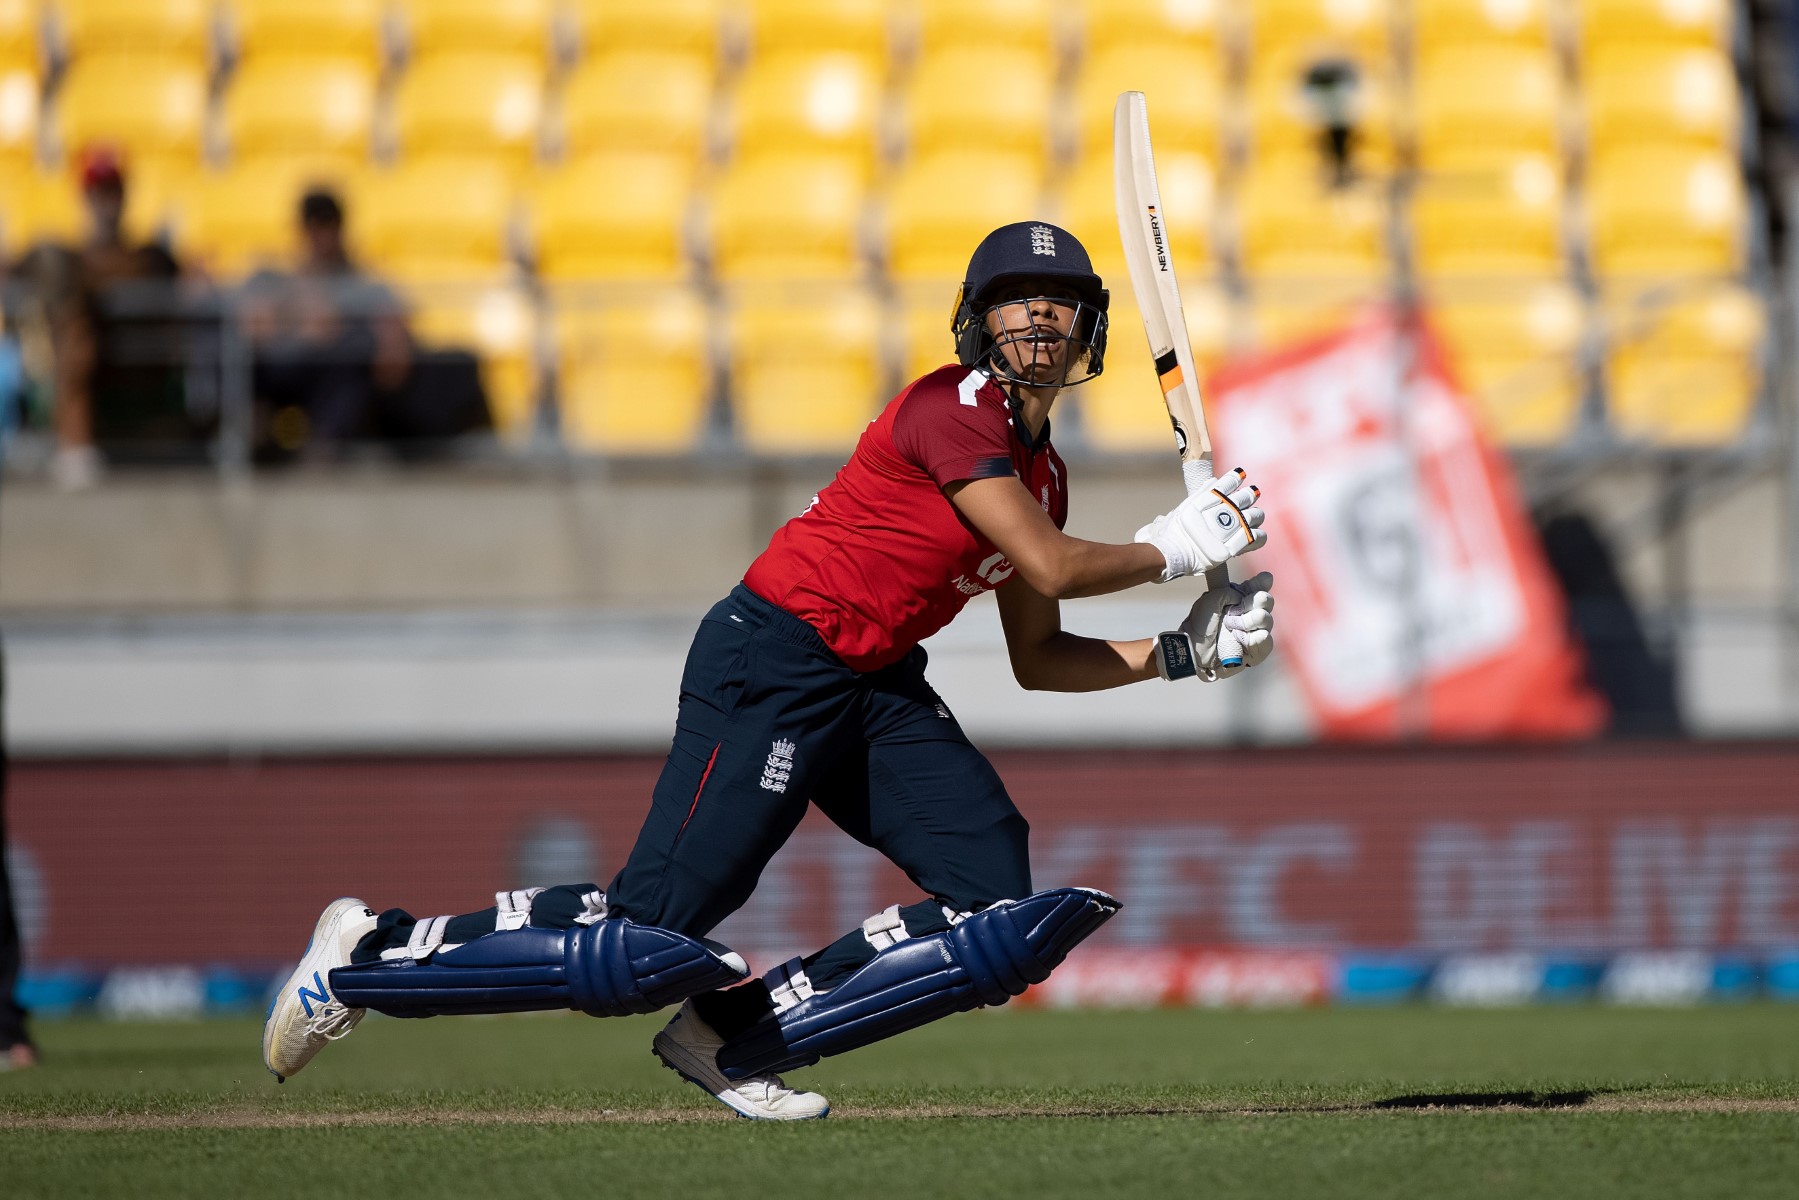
(1030, 322)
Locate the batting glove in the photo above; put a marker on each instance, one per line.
(1246, 609)
(1208, 527)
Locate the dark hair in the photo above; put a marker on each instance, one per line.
(320, 206)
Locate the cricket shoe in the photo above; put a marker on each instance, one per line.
(689, 1047)
(305, 1014)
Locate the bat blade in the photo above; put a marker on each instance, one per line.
(1143, 230)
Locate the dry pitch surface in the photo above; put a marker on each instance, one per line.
(1535, 1102)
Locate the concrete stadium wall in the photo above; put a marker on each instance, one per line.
(655, 534)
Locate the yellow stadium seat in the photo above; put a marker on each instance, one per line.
(498, 325)
(1285, 28)
(1499, 97)
(1284, 312)
(634, 374)
(1292, 223)
(1502, 215)
(1188, 188)
(1439, 23)
(855, 26)
(1013, 110)
(935, 217)
(333, 28)
(1192, 24)
(437, 219)
(18, 114)
(180, 28)
(235, 221)
(21, 33)
(638, 100)
(472, 103)
(1021, 24)
(1660, 94)
(926, 312)
(1672, 22)
(1122, 410)
(617, 216)
(1666, 210)
(1286, 118)
(666, 27)
(512, 27)
(806, 369)
(1183, 86)
(1685, 369)
(807, 102)
(289, 105)
(1516, 352)
(151, 107)
(783, 216)
(37, 206)
(153, 192)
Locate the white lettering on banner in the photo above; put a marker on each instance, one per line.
(1182, 872)
(1542, 884)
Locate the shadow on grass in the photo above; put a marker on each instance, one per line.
(1488, 1100)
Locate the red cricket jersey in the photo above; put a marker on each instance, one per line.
(882, 560)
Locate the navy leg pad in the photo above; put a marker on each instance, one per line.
(608, 969)
(988, 958)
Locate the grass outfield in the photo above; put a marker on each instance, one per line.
(1560, 1102)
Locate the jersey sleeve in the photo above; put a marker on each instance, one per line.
(951, 441)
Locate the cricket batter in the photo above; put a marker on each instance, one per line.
(806, 686)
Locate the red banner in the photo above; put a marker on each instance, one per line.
(1593, 848)
(1414, 597)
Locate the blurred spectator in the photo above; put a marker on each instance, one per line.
(330, 342)
(15, 1044)
(85, 296)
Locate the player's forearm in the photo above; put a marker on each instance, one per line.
(1073, 568)
(1067, 662)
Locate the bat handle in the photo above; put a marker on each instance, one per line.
(1198, 475)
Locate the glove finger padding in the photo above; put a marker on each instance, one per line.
(1251, 617)
(1245, 609)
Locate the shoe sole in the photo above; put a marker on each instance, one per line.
(332, 912)
(668, 1054)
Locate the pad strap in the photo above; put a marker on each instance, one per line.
(986, 958)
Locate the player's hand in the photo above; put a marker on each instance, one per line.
(1208, 527)
(1247, 610)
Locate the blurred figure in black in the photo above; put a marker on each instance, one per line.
(16, 1049)
(1637, 682)
(329, 341)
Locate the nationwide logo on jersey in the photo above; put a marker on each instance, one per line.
(780, 766)
(993, 571)
(1043, 240)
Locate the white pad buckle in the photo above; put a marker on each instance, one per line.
(792, 986)
(512, 910)
(427, 939)
(885, 928)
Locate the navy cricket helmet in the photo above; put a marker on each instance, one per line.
(1028, 250)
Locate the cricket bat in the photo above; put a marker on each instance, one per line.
(1144, 232)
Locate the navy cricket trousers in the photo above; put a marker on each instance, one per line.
(771, 720)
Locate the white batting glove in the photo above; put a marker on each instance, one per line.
(1208, 527)
(1246, 609)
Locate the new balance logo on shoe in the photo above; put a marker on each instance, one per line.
(308, 995)
(780, 766)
